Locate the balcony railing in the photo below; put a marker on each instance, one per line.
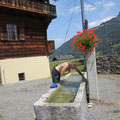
(30, 6)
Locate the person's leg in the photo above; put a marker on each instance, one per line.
(59, 78)
(55, 76)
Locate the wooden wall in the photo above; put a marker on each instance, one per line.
(32, 36)
(51, 47)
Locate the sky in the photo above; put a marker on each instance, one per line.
(96, 12)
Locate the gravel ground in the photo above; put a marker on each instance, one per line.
(16, 101)
(108, 107)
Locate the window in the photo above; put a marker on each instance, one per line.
(12, 32)
(21, 76)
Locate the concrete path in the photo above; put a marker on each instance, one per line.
(16, 101)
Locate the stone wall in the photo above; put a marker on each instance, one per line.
(108, 64)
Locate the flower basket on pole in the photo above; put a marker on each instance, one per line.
(85, 40)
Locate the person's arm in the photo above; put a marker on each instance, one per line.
(80, 73)
(63, 72)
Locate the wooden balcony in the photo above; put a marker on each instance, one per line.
(30, 6)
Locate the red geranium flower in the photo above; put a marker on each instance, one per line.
(85, 40)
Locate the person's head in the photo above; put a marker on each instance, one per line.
(72, 65)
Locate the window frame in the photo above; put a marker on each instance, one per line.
(12, 32)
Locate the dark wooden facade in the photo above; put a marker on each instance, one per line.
(51, 47)
(31, 30)
(35, 6)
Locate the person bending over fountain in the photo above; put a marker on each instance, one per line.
(63, 69)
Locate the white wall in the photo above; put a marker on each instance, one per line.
(33, 67)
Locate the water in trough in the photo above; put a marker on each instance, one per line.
(67, 91)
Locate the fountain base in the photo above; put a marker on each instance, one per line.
(62, 111)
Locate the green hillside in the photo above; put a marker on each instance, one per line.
(65, 49)
(108, 32)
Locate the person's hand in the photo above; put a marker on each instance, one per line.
(84, 79)
(75, 67)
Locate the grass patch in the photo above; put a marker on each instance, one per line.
(116, 45)
(98, 53)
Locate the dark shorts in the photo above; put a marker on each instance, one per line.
(55, 76)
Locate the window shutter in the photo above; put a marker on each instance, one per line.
(0, 31)
(3, 32)
(21, 33)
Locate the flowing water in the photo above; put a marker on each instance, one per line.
(67, 91)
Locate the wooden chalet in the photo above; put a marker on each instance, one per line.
(24, 48)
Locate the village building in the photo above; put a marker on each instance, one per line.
(64, 57)
(24, 48)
